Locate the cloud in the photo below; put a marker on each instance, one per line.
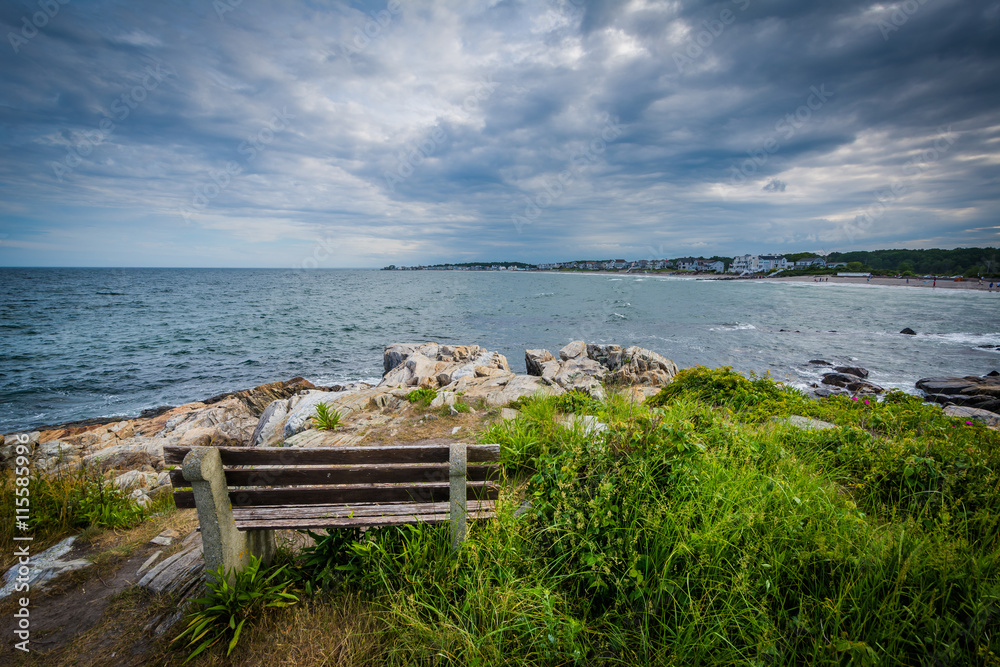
(425, 131)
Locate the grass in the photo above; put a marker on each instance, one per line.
(67, 502)
(694, 530)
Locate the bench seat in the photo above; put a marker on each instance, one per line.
(266, 517)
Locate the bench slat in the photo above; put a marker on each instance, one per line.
(347, 511)
(348, 493)
(275, 524)
(373, 474)
(234, 456)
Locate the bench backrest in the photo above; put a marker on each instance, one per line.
(331, 475)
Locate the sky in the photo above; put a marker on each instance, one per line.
(324, 134)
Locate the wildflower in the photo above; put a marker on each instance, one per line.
(968, 423)
(866, 402)
(854, 398)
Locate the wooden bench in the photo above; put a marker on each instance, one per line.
(243, 494)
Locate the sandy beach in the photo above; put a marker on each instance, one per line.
(897, 282)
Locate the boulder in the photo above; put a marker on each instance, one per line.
(444, 398)
(642, 366)
(395, 354)
(572, 372)
(804, 423)
(135, 479)
(299, 417)
(908, 331)
(819, 362)
(943, 385)
(533, 360)
(257, 399)
(839, 379)
(587, 424)
(606, 355)
(432, 366)
(270, 425)
(422, 370)
(517, 387)
(42, 568)
(864, 387)
(125, 457)
(970, 391)
(210, 436)
(573, 350)
(852, 370)
(989, 418)
(55, 453)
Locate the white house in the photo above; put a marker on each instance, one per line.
(745, 264)
(810, 261)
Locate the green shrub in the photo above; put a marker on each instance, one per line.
(74, 499)
(224, 611)
(423, 396)
(321, 565)
(694, 530)
(325, 418)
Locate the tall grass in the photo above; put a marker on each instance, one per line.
(697, 531)
(63, 502)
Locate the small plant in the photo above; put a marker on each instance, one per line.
(226, 608)
(423, 396)
(323, 563)
(464, 408)
(326, 419)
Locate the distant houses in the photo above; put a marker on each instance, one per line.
(767, 263)
(740, 265)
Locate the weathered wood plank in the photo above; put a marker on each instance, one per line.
(358, 522)
(346, 511)
(425, 493)
(375, 474)
(233, 456)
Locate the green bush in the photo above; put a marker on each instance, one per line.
(226, 608)
(424, 396)
(694, 530)
(63, 502)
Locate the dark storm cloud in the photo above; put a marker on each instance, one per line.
(246, 133)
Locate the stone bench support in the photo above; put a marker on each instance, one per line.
(224, 546)
(458, 465)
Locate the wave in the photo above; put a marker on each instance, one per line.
(963, 338)
(736, 326)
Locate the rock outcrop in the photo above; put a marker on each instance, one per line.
(432, 365)
(583, 367)
(971, 391)
(852, 379)
(131, 450)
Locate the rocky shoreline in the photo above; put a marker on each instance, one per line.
(278, 413)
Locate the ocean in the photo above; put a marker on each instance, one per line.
(85, 343)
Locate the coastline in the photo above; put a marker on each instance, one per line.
(880, 281)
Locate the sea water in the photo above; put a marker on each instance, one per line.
(85, 343)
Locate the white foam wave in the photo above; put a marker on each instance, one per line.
(964, 338)
(733, 327)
